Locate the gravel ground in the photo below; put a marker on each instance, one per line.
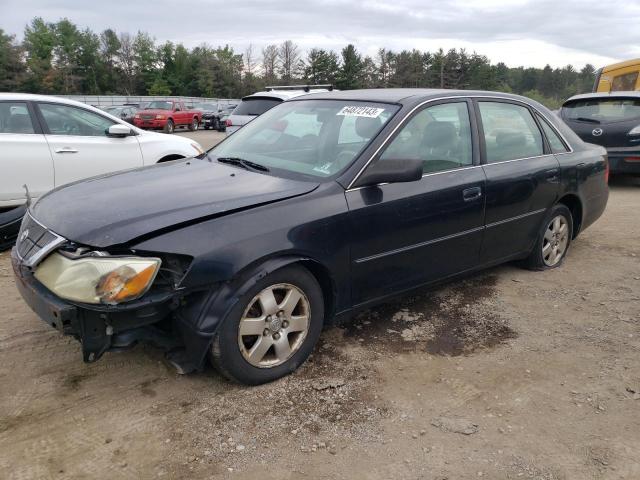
(504, 375)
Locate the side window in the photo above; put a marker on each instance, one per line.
(440, 136)
(15, 118)
(68, 120)
(510, 132)
(623, 83)
(557, 145)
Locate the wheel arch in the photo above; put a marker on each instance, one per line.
(574, 204)
(258, 269)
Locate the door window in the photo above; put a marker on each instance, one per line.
(510, 132)
(440, 136)
(15, 118)
(557, 145)
(68, 120)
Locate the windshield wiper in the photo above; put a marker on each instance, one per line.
(586, 119)
(241, 162)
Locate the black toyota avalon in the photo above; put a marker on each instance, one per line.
(322, 206)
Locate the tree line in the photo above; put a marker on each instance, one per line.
(62, 58)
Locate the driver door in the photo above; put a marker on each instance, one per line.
(409, 234)
(79, 144)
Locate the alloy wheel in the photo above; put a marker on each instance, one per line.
(274, 325)
(556, 240)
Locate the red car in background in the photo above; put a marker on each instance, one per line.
(167, 115)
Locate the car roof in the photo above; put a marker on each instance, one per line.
(407, 95)
(603, 95)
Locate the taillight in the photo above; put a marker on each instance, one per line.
(228, 123)
(606, 169)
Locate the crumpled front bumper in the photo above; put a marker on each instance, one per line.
(99, 328)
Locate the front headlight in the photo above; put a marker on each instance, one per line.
(197, 148)
(159, 117)
(107, 280)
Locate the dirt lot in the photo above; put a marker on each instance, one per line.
(509, 374)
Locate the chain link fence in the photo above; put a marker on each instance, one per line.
(141, 100)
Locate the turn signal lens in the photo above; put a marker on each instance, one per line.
(124, 283)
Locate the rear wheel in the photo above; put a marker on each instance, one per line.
(169, 126)
(272, 329)
(553, 240)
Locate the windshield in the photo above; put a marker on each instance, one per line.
(311, 137)
(158, 105)
(607, 110)
(209, 107)
(114, 110)
(255, 106)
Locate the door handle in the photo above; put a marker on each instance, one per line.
(552, 175)
(470, 194)
(66, 150)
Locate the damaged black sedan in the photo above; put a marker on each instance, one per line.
(320, 207)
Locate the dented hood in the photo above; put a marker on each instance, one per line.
(120, 207)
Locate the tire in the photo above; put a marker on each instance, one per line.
(169, 127)
(206, 127)
(240, 358)
(194, 125)
(554, 240)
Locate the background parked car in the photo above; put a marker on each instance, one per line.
(213, 113)
(124, 112)
(49, 141)
(611, 120)
(256, 104)
(167, 115)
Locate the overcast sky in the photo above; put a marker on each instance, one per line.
(517, 32)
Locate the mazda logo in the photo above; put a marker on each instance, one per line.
(24, 235)
(597, 132)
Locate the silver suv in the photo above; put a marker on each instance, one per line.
(257, 103)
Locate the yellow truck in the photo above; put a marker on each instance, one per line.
(618, 77)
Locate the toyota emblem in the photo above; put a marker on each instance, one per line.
(24, 235)
(597, 132)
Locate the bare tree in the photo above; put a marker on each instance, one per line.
(289, 56)
(270, 63)
(249, 60)
(127, 62)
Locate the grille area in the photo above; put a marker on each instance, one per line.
(147, 117)
(35, 241)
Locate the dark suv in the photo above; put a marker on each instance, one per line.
(611, 120)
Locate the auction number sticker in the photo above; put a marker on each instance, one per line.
(359, 111)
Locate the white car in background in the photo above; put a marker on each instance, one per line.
(257, 103)
(47, 141)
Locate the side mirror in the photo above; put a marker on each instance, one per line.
(118, 130)
(391, 171)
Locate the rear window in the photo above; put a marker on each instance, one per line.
(255, 106)
(608, 110)
(624, 83)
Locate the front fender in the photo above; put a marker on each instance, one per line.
(198, 320)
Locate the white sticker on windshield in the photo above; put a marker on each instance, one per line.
(358, 111)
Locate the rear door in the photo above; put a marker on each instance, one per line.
(24, 154)
(523, 178)
(80, 146)
(407, 234)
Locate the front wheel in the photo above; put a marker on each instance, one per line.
(169, 126)
(553, 240)
(272, 329)
(194, 125)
